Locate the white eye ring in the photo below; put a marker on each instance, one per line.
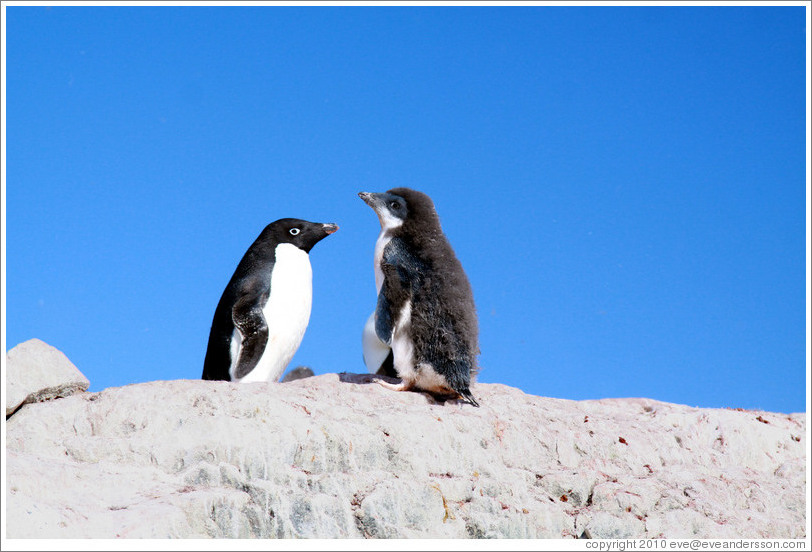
(294, 231)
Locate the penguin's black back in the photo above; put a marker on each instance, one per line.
(252, 275)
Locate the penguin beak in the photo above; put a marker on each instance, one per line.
(369, 198)
(378, 204)
(329, 228)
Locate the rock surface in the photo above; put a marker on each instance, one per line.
(329, 456)
(38, 372)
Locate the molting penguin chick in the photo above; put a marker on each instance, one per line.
(264, 310)
(425, 312)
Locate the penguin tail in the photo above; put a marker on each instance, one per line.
(466, 396)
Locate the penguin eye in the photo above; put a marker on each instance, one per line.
(394, 205)
(294, 231)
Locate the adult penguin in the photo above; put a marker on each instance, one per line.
(265, 308)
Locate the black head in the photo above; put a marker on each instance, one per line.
(400, 205)
(301, 233)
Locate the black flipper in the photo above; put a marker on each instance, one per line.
(383, 318)
(400, 276)
(249, 320)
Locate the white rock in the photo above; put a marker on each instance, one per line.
(327, 457)
(38, 372)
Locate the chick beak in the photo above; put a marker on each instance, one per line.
(369, 198)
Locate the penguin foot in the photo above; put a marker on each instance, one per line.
(394, 384)
(402, 386)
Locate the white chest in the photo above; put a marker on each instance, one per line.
(287, 312)
(402, 347)
(383, 239)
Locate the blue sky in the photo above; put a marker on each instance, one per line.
(625, 186)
